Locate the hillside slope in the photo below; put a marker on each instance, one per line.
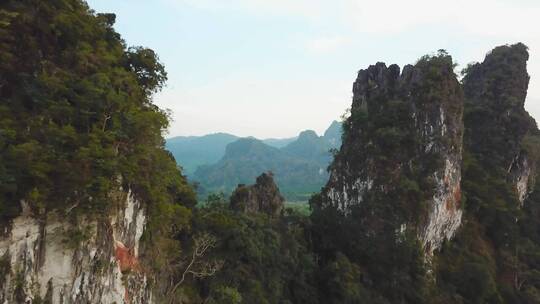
(299, 167)
(88, 194)
(247, 158)
(193, 151)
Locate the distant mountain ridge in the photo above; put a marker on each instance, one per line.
(333, 134)
(310, 146)
(219, 162)
(193, 151)
(246, 158)
(279, 142)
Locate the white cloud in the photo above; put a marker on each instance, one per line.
(326, 44)
(305, 8)
(495, 17)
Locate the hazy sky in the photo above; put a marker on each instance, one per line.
(271, 68)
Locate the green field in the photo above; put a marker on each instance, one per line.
(300, 207)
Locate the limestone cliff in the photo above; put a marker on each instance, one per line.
(496, 120)
(78, 123)
(44, 260)
(263, 197)
(402, 146)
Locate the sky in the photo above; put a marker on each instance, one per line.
(272, 68)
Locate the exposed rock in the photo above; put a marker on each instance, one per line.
(263, 197)
(496, 120)
(45, 263)
(521, 175)
(403, 139)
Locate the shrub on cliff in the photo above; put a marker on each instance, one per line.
(77, 119)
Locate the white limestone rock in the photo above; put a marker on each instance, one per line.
(43, 266)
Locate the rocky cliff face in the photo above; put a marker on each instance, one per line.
(44, 260)
(404, 140)
(496, 120)
(403, 143)
(263, 197)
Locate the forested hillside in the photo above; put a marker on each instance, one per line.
(193, 151)
(300, 167)
(77, 114)
(81, 147)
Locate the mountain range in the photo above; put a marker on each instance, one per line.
(219, 162)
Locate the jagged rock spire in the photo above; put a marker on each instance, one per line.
(263, 196)
(496, 120)
(400, 162)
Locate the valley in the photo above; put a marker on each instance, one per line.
(222, 161)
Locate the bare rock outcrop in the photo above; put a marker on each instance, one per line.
(92, 261)
(262, 197)
(400, 161)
